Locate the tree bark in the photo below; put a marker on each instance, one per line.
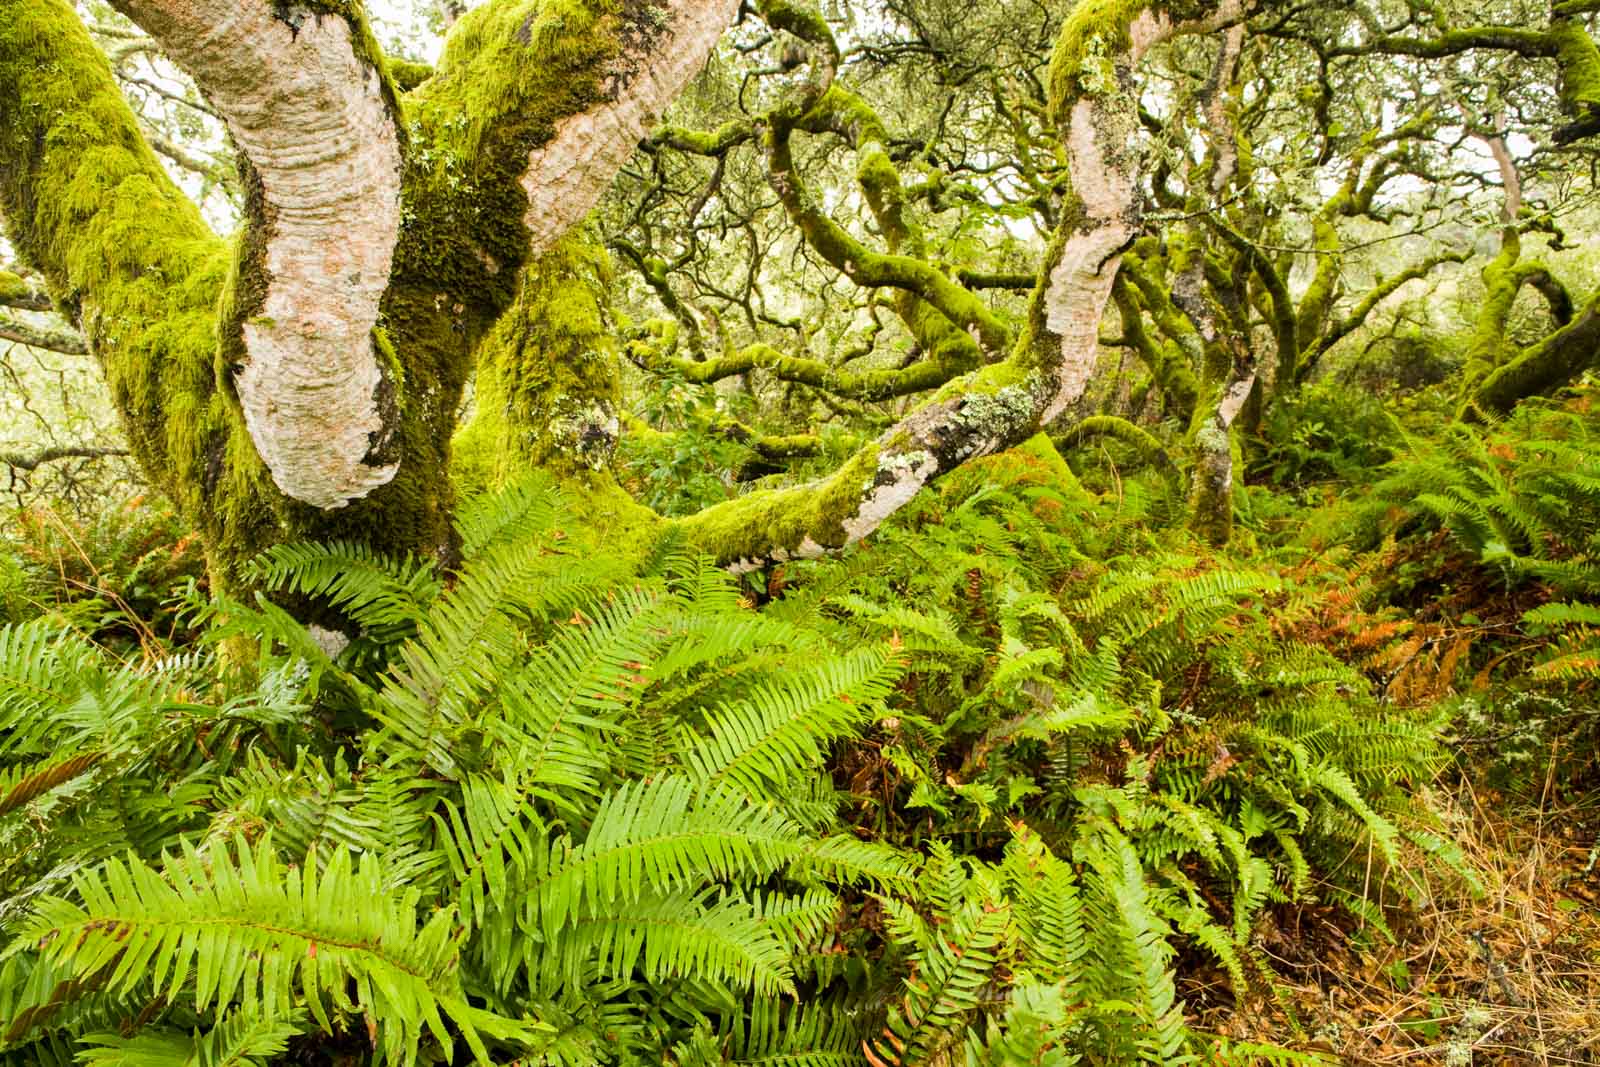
(303, 381)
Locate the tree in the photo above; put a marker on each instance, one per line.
(302, 379)
(409, 230)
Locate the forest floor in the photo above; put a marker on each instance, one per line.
(1509, 977)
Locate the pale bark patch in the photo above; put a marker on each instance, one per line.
(1105, 181)
(1082, 278)
(1217, 110)
(910, 474)
(310, 116)
(1234, 399)
(1148, 29)
(566, 176)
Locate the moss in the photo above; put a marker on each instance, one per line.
(1318, 297)
(705, 142)
(1503, 278)
(1041, 448)
(1553, 362)
(408, 74)
(547, 388)
(1211, 499)
(1093, 41)
(16, 291)
(802, 20)
(1142, 441)
(775, 523)
(127, 256)
(1579, 60)
(1172, 367)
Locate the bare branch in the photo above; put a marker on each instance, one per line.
(26, 462)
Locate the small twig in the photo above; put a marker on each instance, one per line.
(22, 462)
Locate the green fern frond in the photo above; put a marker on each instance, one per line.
(243, 1039)
(372, 589)
(520, 511)
(778, 732)
(947, 985)
(659, 836)
(233, 924)
(675, 936)
(25, 783)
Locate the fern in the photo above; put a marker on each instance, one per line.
(657, 836)
(242, 1040)
(759, 744)
(234, 923)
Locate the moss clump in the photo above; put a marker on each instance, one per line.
(803, 20)
(408, 74)
(1092, 42)
(548, 392)
(776, 523)
(1579, 60)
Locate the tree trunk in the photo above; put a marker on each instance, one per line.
(303, 380)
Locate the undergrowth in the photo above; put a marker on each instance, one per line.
(987, 790)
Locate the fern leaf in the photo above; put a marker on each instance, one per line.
(233, 924)
(661, 837)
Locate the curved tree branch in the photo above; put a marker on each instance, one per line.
(305, 97)
(1001, 405)
(71, 344)
(883, 384)
(662, 48)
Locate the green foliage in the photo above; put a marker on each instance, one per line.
(1487, 537)
(115, 575)
(691, 466)
(526, 813)
(1326, 431)
(963, 796)
(1146, 717)
(1520, 498)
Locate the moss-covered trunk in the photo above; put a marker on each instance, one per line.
(303, 379)
(547, 394)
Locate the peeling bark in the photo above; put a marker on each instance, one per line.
(310, 113)
(566, 176)
(1104, 164)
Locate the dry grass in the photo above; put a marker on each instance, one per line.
(1511, 977)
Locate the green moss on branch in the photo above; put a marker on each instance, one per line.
(1541, 368)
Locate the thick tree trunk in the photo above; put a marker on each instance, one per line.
(303, 381)
(547, 394)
